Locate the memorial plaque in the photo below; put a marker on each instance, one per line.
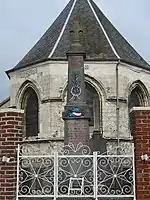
(77, 131)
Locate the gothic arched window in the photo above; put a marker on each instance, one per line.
(136, 98)
(93, 103)
(31, 108)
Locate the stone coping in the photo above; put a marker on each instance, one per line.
(140, 109)
(9, 110)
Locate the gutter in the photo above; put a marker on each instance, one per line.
(117, 102)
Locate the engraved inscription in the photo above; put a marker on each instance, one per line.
(78, 131)
(27, 73)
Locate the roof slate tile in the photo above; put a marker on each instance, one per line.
(95, 42)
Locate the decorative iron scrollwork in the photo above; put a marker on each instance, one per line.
(75, 172)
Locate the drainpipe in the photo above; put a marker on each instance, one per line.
(117, 101)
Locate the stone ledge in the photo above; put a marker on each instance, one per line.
(35, 139)
(54, 99)
(129, 139)
(113, 99)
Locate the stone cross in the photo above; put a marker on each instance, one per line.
(75, 33)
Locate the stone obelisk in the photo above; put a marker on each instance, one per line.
(76, 113)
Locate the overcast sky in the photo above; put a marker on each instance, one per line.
(22, 23)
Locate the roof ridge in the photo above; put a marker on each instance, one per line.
(104, 31)
(62, 30)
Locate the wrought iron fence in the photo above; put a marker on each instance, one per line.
(75, 172)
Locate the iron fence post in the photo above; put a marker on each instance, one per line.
(55, 175)
(95, 173)
(17, 184)
(134, 187)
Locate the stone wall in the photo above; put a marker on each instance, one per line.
(50, 79)
(10, 137)
(140, 118)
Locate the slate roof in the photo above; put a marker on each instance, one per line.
(101, 39)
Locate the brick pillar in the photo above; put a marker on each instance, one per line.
(10, 137)
(140, 126)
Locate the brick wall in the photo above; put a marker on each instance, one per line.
(10, 137)
(140, 118)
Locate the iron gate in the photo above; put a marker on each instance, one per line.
(75, 172)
